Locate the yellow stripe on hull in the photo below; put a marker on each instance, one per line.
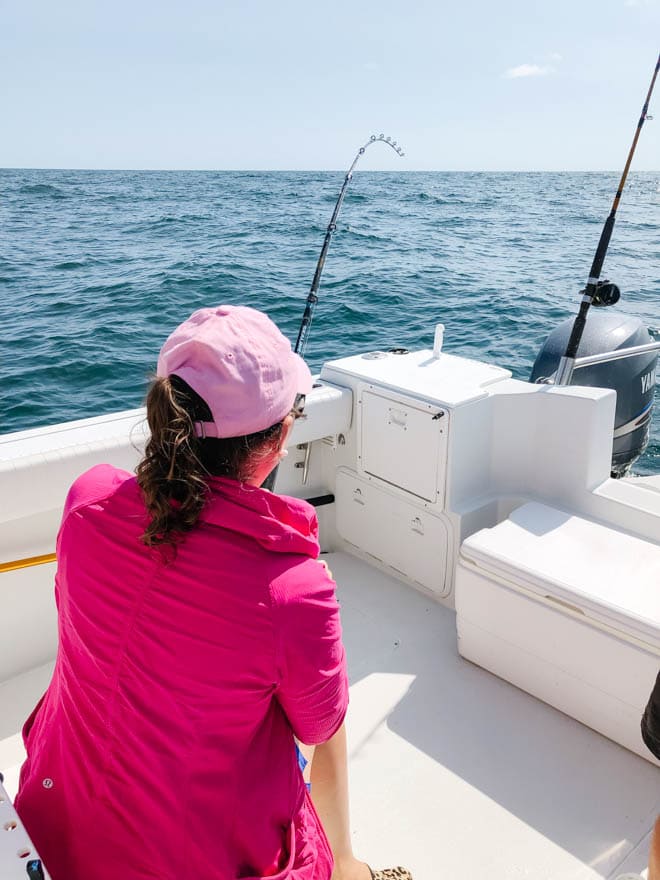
(27, 563)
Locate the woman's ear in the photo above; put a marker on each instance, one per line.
(287, 425)
(271, 454)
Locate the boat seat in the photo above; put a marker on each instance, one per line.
(567, 609)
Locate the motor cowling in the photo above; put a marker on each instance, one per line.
(632, 378)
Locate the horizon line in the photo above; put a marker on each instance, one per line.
(339, 170)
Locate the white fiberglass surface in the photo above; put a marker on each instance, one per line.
(454, 773)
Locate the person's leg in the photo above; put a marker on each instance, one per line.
(651, 736)
(329, 778)
(654, 855)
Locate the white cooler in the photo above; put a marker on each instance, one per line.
(569, 611)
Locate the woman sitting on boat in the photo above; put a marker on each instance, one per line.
(198, 634)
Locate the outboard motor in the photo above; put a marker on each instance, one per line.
(632, 378)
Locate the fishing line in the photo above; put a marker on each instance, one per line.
(597, 292)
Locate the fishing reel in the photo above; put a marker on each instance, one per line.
(607, 294)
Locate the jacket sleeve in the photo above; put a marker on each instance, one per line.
(311, 661)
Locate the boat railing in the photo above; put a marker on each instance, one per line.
(619, 354)
(602, 358)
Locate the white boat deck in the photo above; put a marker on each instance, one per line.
(454, 773)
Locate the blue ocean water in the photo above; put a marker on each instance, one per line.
(96, 268)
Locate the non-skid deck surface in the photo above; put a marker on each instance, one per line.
(454, 773)
(458, 774)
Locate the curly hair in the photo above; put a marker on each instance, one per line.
(177, 465)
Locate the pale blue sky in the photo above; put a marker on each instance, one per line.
(299, 85)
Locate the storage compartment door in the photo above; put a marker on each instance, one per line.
(404, 445)
(399, 534)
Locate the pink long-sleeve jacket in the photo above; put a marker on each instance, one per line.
(163, 748)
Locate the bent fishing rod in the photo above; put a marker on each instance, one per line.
(599, 292)
(312, 296)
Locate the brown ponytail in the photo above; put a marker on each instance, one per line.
(176, 467)
(171, 476)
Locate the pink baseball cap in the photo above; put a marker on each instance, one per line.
(240, 364)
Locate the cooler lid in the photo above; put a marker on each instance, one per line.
(608, 575)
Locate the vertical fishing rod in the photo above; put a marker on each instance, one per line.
(312, 297)
(590, 293)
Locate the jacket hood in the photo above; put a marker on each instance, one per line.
(278, 523)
